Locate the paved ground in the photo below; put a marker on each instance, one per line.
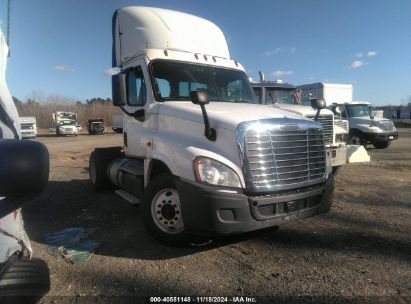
(361, 250)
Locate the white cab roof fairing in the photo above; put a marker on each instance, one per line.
(137, 28)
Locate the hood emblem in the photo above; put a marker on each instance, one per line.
(289, 126)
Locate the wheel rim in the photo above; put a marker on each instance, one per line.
(356, 140)
(93, 170)
(166, 211)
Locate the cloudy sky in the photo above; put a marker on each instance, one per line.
(64, 46)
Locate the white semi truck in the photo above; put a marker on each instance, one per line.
(288, 97)
(200, 154)
(364, 127)
(66, 123)
(28, 126)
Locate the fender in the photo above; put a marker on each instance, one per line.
(176, 158)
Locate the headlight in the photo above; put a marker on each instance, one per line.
(374, 130)
(212, 172)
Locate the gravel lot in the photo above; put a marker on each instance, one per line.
(360, 251)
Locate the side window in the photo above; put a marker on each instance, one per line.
(136, 88)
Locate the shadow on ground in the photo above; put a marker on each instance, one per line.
(120, 230)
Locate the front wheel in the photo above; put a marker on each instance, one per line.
(382, 144)
(162, 213)
(358, 139)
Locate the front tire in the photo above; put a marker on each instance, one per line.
(161, 212)
(357, 138)
(336, 170)
(382, 144)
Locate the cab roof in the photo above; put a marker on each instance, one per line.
(137, 29)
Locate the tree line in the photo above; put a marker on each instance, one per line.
(42, 109)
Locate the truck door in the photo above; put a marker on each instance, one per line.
(135, 130)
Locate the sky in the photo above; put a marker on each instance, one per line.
(63, 47)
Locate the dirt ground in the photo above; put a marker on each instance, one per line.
(360, 251)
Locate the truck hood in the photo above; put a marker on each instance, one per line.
(225, 115)
(302, 110)
(363, 120)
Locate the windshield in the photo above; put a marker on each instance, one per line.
(175, 81)
(27, 126)
(281, 96)
(358, 110)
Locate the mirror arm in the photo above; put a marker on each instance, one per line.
(317, 115)
(134, 115)
(209, 132)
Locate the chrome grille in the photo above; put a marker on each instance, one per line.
(326, 122)
(278, 158)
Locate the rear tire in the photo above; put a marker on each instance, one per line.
(382, 144)
(98, 164)
(24, 281)
(161, 212)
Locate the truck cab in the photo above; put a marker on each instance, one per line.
(365, 128)
(287, 97)
(200, 154)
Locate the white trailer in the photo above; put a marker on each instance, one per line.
(330, 92)
(28, 126)
(200, 154)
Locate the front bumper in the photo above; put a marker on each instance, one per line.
(337, 155)
(213, 210)
(28, 135)
(383, 137)
(68, 132)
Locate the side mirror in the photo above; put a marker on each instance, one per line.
(199, 97)
(318, 104)
(24, 168)
(338, 110)
(119, 89)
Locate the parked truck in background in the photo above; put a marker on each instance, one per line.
(365, 128)
(96, 126)
(200, 153)
(117, 123)
(66, 123)
(28, 126)
(287, 97)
